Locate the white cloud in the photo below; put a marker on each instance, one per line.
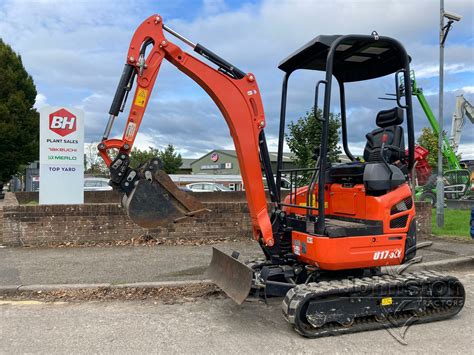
(467, 150)
(468, 89)
(75, 51)
(40, 101)
(144, 141)
(433, 70)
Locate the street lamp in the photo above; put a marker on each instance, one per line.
(443, 33)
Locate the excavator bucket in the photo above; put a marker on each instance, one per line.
(232, 276)
(156, 201)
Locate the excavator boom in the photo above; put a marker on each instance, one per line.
(463, 108)
(235, 93)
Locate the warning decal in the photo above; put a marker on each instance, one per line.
(130, 131)
(141, 97)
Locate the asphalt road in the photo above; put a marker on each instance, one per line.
(214, 326)
(33, 266)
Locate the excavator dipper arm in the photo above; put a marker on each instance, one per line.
(234, 92)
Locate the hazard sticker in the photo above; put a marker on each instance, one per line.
(141, 97)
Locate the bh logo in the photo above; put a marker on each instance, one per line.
(62, 122)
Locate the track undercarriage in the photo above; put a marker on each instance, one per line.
(352, 305)
(319, 304)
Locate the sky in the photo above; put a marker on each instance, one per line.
(75, 52)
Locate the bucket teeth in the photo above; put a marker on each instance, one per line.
(232, 276)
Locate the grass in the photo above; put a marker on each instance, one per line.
(456, 224)
(31, 203)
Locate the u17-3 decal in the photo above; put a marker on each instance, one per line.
(387, 254)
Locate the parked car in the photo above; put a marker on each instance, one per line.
(206, 187)
(97, 184)
(185, 189)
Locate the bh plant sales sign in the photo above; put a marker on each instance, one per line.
(61, 156)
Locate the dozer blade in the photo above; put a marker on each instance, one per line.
(156, 201)
(232, 276)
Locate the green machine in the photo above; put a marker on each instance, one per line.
(457, 180)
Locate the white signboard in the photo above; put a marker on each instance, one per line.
(61, 156)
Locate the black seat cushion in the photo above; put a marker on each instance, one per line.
(387, 118)
(395, 145)
(350, 172)
(389, 122)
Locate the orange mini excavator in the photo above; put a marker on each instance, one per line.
(325, 243)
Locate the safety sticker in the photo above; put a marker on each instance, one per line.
(309, 240)
(386, 301)
(130, 131)
(296, 247)
(141, 97)
(303, 247)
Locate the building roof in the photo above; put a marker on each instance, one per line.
(186, 163)
(287, 157)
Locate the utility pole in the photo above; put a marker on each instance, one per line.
(439, 180)
(443, 33)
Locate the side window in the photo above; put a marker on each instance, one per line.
(232, 187)
(209, 187)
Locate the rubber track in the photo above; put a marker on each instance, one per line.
(301, 294)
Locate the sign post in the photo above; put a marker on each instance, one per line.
(61, 156)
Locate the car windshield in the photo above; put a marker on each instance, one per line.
(222, 187)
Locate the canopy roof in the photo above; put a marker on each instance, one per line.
(356, 58)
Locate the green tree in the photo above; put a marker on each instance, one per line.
(138, 157)
(429, 140)
(93, 163)
(19, 122)
(305, 135)
(170, 158)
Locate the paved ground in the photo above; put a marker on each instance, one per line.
(27, 266)
(213, 326)
(32, 266)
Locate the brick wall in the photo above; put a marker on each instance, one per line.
(24, 197)
(116, 197)
(423, 219)
(40, 225)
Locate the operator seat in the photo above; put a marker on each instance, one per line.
(375, 177)
(389, 122)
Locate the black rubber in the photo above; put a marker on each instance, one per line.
(298, 299)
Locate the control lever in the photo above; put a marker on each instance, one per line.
(382, 154)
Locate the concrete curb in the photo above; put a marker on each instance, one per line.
(441, 265)
(12, 289)
(447, 264)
